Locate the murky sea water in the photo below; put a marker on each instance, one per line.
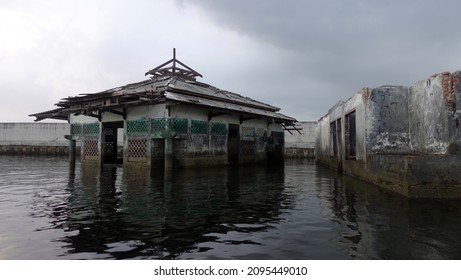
(52, 210)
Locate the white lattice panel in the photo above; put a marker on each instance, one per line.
(90, 149)
(137, 149)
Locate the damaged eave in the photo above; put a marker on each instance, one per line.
(56, 114)
(221, 107)
(88, 108)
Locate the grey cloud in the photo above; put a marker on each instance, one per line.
(302, 56)
(344, 45)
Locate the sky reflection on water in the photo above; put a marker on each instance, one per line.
(51, 210)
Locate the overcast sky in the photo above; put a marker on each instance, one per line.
(302, 56)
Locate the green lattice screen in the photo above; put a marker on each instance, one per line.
(137, 126)
(179, 125)
(260, 132)
(199, 127)
(248, 131)
(247, 148)
(158, 125)
(218, 129)
(90, 128)
(76, 129)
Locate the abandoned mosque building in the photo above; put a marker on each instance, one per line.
(407, 139)
(171, 120)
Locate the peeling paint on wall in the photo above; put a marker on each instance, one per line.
(411, 137)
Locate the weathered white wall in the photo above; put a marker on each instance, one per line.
(142, 112)
(322, 137)
(34, 134)
(387, 120)
(82, 119)
(304, 140)
(430, 121)
(421, 119)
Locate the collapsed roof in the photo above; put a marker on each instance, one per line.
(169, 84)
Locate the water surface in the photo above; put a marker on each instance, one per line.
(50, 209)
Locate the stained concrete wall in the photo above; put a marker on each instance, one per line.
(408, 138)
(433, 114)
(304, 139)
(387, 118)
(301, 144)
(34, 134)
(207, 149)
(34, 138)
(420, 119)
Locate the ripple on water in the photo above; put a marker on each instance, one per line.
(49, 210)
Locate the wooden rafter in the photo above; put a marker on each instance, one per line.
(290, 127)
(174, 70)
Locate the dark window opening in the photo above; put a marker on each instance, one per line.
(338, 138)
(335, 139)
(233, 143)
(333, 142)
(351, 136)
(112, 149)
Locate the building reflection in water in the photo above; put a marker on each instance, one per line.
(296, 211)
(376, 224)
(130, 213)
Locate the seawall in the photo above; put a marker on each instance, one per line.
(301, 144)
(34, 139)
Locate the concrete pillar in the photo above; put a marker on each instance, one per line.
(168, 147)
(125, 142)
(72, 150)
(168, 153)
(101, 144)
(149, 143)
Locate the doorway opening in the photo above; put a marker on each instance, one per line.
(233, 143)
(112, 141)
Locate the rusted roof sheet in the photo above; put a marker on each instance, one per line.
(152, 91)
(173, 96)
(215, 93)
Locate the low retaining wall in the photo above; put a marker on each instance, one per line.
(299, 152)
(34, 134)
(34, 150)
(301, 144)
(49, 139)
(34, 139)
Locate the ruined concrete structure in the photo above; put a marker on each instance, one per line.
(172, 120)
(406, 139)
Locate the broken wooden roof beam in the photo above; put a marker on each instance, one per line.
(173, 70)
